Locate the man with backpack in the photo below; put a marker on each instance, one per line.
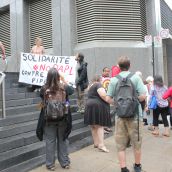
(125, 91)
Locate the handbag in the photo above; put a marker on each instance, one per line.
(153, 102)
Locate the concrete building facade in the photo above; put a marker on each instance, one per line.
(102, 30)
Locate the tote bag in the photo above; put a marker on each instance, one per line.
(153, 102)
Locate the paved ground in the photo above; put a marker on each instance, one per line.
(156, 157)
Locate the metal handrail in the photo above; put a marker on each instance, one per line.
(2, 81)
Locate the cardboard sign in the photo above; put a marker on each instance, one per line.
(34, 68)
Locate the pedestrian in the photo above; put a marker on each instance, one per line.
(97, 113)
(105, 82)
(168, 95)
(158, 89)
(149, 112)
(115, 70)
(143, 103)
(3, 50)
(37, 49)
(56, 130)
(127, 124)
(81, 81)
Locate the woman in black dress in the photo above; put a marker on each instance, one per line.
(97, 113)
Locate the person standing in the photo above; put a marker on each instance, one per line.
(115, 70)
(56, 130)
(127, 128)
(105, 82)
(3, 50)
(158, 89)
(168, 95)
(97, 113)
(149, 112)
(37, 49)
(81, 81)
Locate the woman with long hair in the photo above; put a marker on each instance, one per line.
(57, 131)
(158, 89)
(97, 112)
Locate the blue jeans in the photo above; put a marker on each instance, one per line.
(54, 137)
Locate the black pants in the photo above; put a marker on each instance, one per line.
(171, 116)
(164, 112)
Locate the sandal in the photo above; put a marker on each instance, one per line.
(156, 133)
(166, 135)
(103, 149)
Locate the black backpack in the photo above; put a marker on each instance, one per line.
(55, 105)
(126, 97)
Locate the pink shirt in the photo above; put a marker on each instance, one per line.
(115, 71)
(168, 94)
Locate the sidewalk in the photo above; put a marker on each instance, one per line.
(156, 157)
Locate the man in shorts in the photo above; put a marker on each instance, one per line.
(127, 128)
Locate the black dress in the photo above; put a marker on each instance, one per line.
(97, 111)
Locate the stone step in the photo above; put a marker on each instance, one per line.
(77, 124)
(22, 95)
(15, 119)
(21, 109)
(27, 165)
(19, 155)
(21, 102)
(15, 129)
(40, 160)
(79, 134)
(17, 141)
(17, 135)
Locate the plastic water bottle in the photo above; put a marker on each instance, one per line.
(67, 107)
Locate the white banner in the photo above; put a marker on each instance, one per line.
(34, 68)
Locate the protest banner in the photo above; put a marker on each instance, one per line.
(34, 68)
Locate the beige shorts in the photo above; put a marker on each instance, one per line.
(126, 130)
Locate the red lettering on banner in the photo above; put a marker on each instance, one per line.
(42, 67)
(60, 69)
(71, 71)
(66, 68)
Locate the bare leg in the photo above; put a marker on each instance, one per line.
(122, 159)
(137, 155)
(100, 133)
(94, 135)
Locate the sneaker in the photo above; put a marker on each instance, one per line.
(125, 170)
(82, 111)
(79, 111)
(137, 168)
(50, 168)
(66, 166)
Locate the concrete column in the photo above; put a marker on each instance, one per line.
(56, 25)
(16, 30)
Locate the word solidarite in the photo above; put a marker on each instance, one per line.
(46, 58)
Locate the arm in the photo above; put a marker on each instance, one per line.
(110, 100)
(102, 93)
